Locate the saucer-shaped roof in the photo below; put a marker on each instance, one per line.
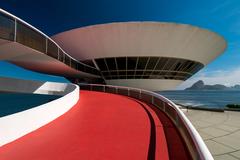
(142, 39)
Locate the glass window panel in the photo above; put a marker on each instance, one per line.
(111, 63)
(161, 63)
(74, 64)
(109, 77)
(189, 65)
(114, 77)
(106, 73)
(196, 68)
(89, 62)
(52, 49)
(130, 77)
(142, 61)
(96, 72)
(122, 77)
(177, 66)
(67, 60)
(131, 63)
(151, 63)
(30, 37)
(139, 73)
(138, 77)
(61, 55)
(101, 64)
(122, 72)
(171, 62)
(114, 73)
(80, 67)
(121, 63)
(130, 72)
(7, 27)
(182, 66)
(155, 73)
(87, 69)
(145, 77)
(147, 72)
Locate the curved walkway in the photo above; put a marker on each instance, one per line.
(99, 126)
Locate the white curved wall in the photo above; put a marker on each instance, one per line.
(19, 124)
(142, 39)
(148, 84)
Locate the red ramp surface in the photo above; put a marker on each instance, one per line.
(99, 126)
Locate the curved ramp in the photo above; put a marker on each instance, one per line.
(99, 126)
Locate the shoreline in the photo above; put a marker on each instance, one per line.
(208, 109)
(201, 108)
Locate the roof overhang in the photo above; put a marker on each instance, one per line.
(142, 39)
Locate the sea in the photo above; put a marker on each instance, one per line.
(11, 103)
(203, 99)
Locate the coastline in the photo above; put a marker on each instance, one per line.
(200, 108)
(207, 108)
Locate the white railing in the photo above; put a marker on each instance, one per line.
(197, 148)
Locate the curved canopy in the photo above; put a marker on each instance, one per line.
(142, 39)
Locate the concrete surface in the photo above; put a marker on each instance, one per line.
(219, 130)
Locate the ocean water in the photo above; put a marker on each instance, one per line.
(208, 99)
(12, 103)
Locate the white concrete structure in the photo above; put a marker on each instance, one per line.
(19, 124)
(141, 39)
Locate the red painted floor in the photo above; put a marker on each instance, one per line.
(100, 126)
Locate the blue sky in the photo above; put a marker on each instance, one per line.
(221, 16)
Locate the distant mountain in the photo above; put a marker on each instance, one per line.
(199, 85)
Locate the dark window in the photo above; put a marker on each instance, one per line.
(161, 63)
(130, 77)
(67, 60)
(80, 67)
(189, 65)
(182, 65)
(177, 67)
(138, 77)
(114, 77)
(108, 78)
(122, 77)
(170, 64)
(52, 49)
(89, 62)
(101, 64)
(147, 72)
(151, 63)
(130, 72)
(131, 63)
(142, 61)
(121, 63)
(155, 73)
(145, 77)
(111, 63)
(196, 68)
(96, 72)
(7, 27)
(30, 37)
(105, 73)
(139, 73)
(61, 55)
(115, 73)
(122, 72)
(142, 68)
(74, 64)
